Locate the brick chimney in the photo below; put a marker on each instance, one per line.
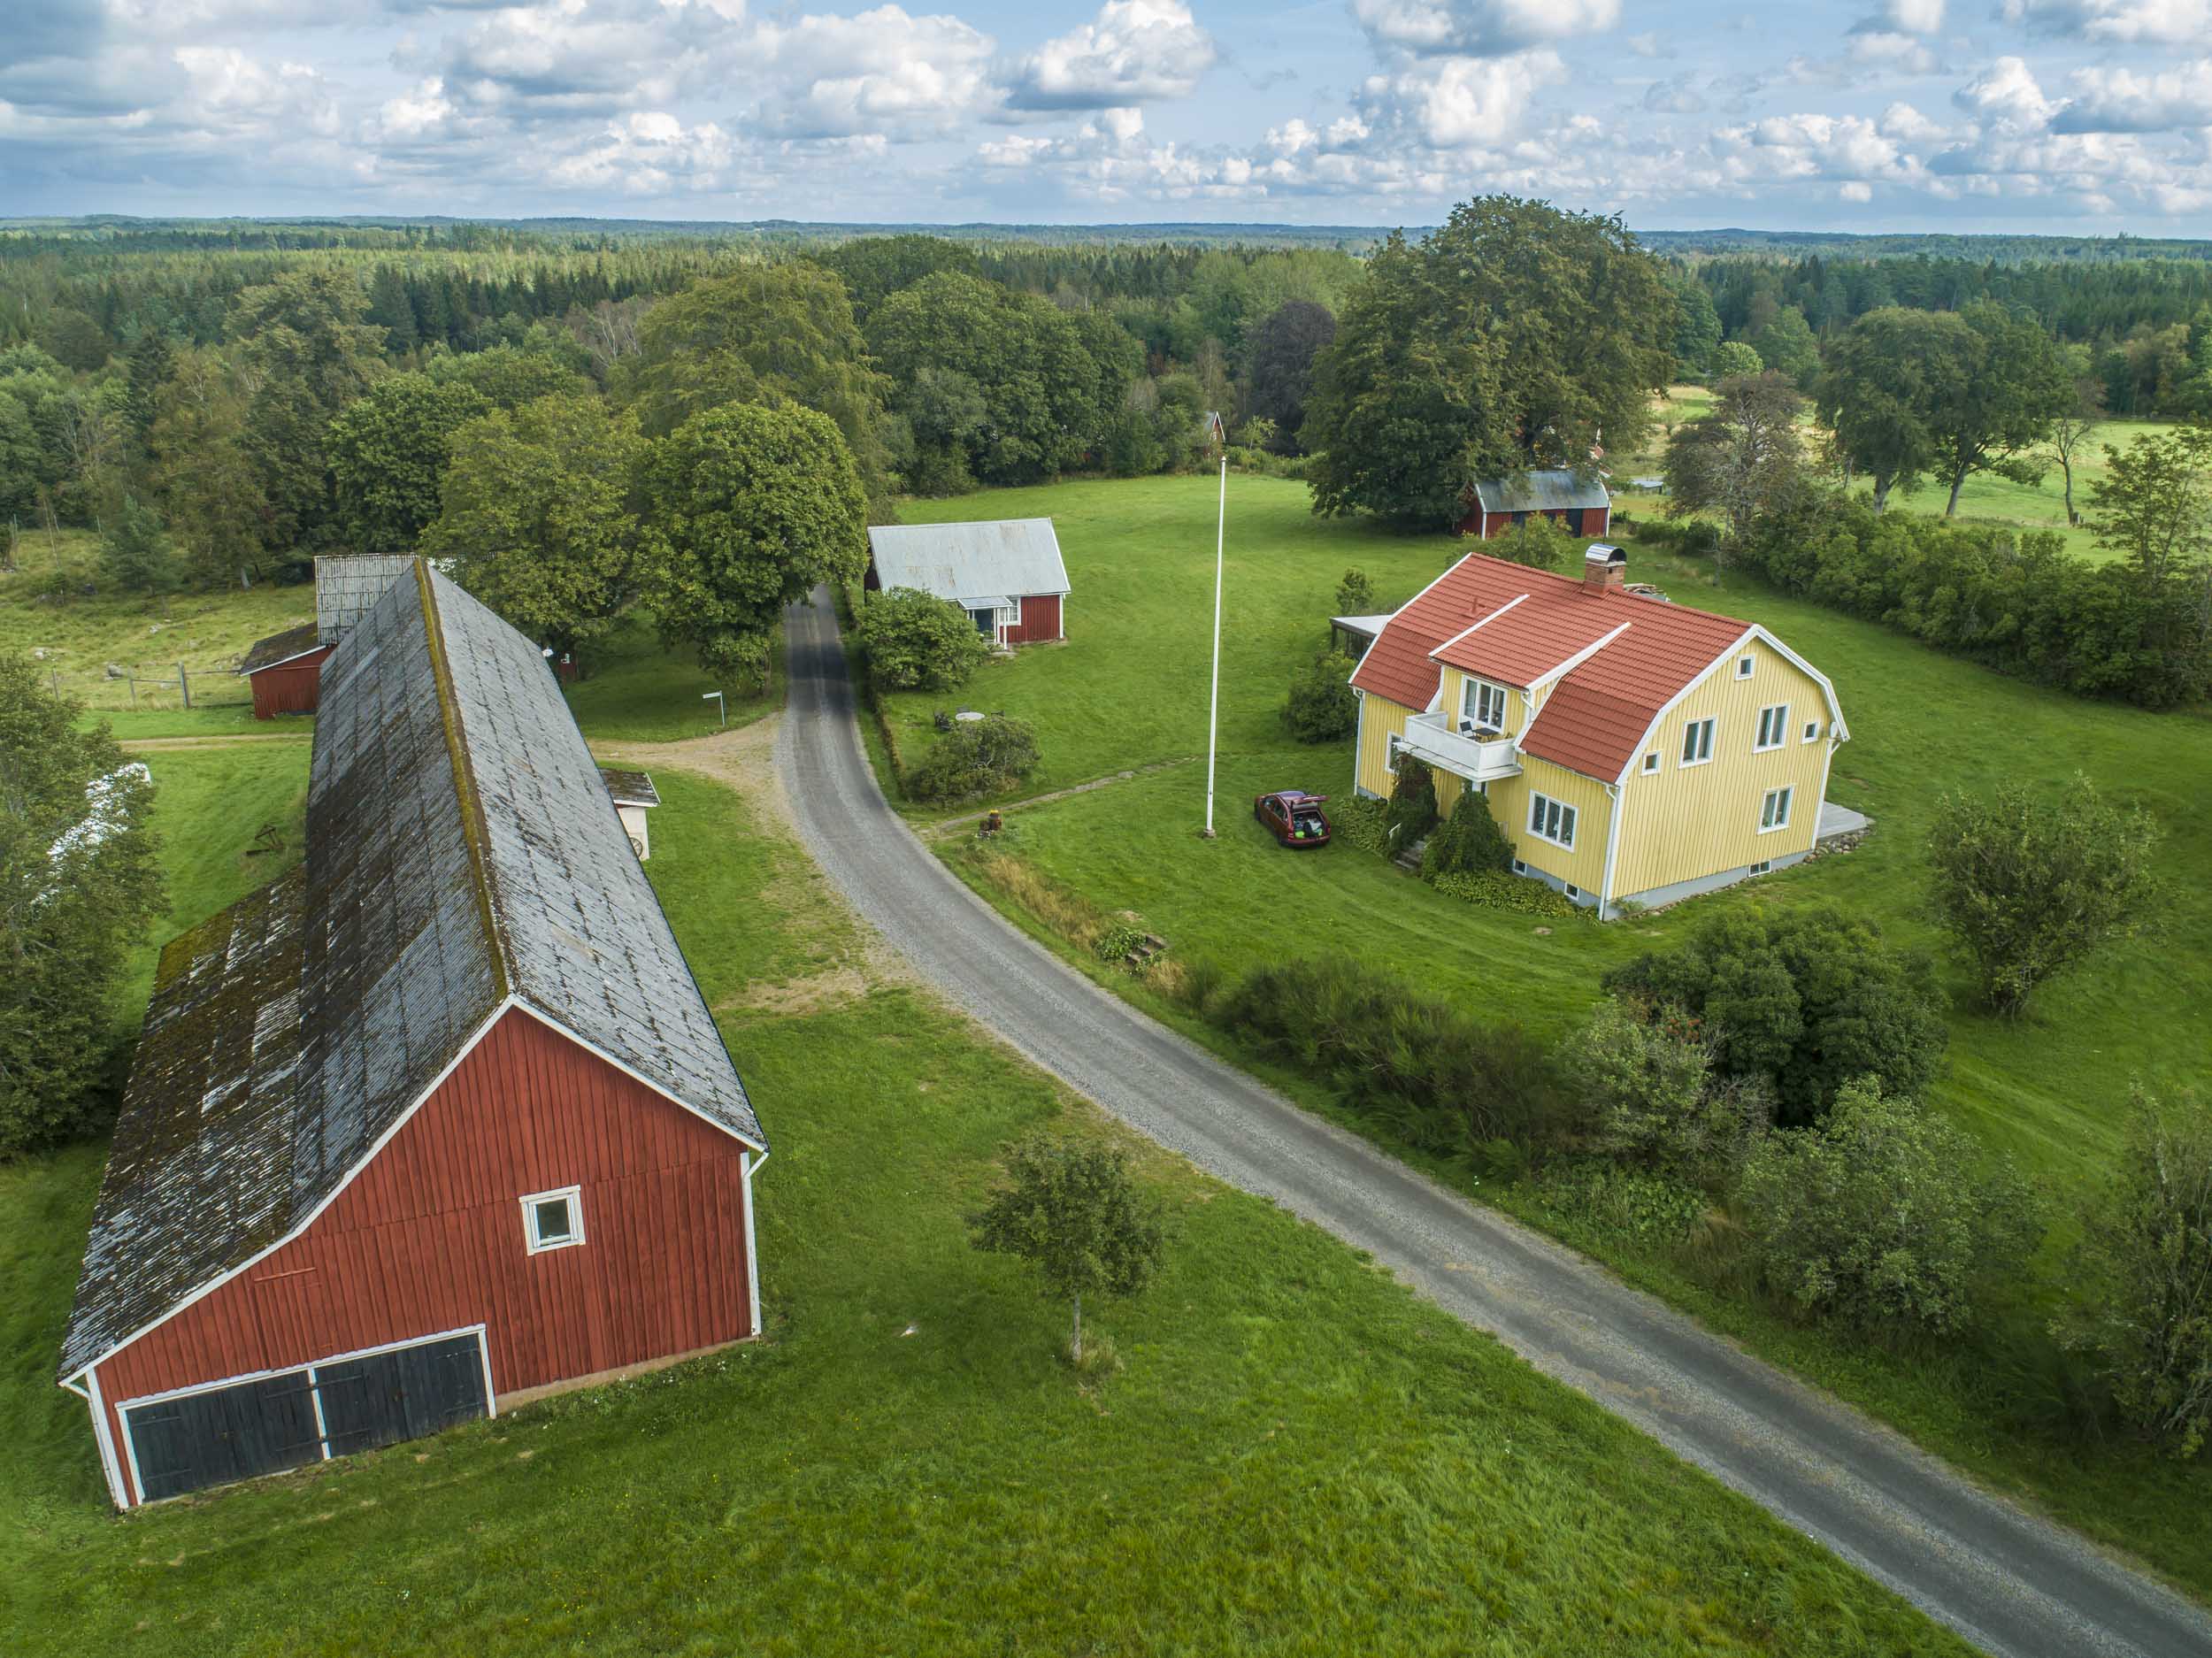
(1604, 569)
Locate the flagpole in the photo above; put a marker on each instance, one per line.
(1213, 711)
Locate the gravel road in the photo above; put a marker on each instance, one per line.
(2013, 1583)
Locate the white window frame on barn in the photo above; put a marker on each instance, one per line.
(1774, 811)
(1812, 731)
(1552, 820)
(1774, 727)
(535, 1239)
(1697, 740)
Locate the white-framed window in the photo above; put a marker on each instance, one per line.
(1774, 726)
(1551, 820)
(1573, 891)
(1519, 868)
(1812, 731)
(1651, 761)
(1774, 811)
(1391, 745)
(1744, 666)
(1697, 742)
(553, 1220)
(1762, 866)
(1482, 704)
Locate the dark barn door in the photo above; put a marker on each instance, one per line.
(388, 1397)
(262, 1427)
(230, 1434)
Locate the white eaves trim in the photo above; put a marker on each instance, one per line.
(1438, 653)
(1839, 732)
(280, 661)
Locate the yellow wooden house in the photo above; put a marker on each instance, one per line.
(1634, 750)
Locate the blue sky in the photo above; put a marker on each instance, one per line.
(2061, 116)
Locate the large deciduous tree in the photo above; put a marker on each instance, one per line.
(875, 268)
(1515, 337)
(749, 508)
(309, 353)
(209, 488)
(79, 885)
(1025, 361)
(2014, 386)
(1282, 350)
(1739, 458)
(387, 451)
(2154, 504)
(769, 333)
(1886, 376)
(540, 515)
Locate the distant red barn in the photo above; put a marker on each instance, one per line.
(1006, 573)
(434, 1121)
(286, 671)
(1579, 502)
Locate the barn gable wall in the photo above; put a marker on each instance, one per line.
(428, 1237)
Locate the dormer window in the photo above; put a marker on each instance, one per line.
(1482, 706)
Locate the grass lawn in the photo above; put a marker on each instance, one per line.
(2051, 1090)
(640, 693)
(146, 637)
(1296, 1455)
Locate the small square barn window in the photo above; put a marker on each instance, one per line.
(1812, 731)
(553, 1220)
(1651, 761)
(1744, 666)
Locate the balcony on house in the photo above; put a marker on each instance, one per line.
(1480, 758)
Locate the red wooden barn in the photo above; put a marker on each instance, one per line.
(286, 671)
(1577, 500)
(1006, 573)
(436, 1121)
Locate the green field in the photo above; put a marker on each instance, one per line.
(1296, 1455)
(1985, 498)
(2050, 1090)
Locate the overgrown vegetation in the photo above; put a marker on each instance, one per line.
(1323, 706)
(915, 641)
(975, 758)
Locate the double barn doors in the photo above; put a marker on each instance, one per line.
(235, 1431)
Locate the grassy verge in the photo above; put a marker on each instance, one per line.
(1295, 1456)
(2050, 1090)
(639, 692)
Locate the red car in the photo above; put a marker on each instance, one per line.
(1294, 818)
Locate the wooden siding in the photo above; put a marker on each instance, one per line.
(428, 1237)
(1680, 823)
(1038, 619)
(1584, 865)
(289, 688)
(1593, 521)
(1380, 720)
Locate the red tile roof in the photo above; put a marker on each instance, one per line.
(1594, 717)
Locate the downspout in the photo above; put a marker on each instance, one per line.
(1612, 851)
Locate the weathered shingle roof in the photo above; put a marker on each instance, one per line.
(348, 585)
(977, 563)
(293, 642)
(1507, 622)
(629, 788)
(1542, 491)
(461, 849)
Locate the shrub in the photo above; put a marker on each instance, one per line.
(915, 641)
(1539, 541)
(1443, 1081)
(975, 758)
(1412, 802)
(1354, 595)
(1467, 841)
(1322, 706)
(1363, 823)
(2145, 1265)
(1809, 998)
(1119, 942)
(1883, 1216)
(1645, 1076)
(1496, 889)
(2032, 888)
(1615, 1202)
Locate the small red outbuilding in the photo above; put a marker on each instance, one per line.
(1006, 573)
(1579, 502)
(437, 1120)
(286, 671)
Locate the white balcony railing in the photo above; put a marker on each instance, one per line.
(1430, 737)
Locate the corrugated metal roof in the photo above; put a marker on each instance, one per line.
(1542, 491)
(461, 847)
(972, 563)
(293, 642)
(348, 585)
